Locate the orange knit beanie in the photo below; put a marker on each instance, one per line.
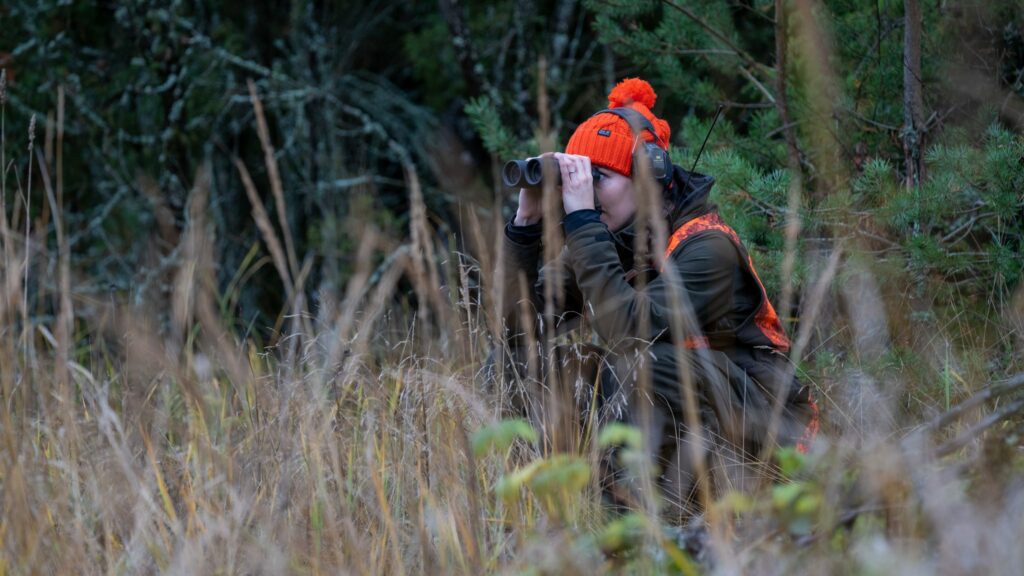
(608, 140)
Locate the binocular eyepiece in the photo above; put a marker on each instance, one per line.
(530, 173)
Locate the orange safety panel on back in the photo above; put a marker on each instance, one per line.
(765, 319)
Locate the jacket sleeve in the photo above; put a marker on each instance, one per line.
(706, 265)
(524, 279)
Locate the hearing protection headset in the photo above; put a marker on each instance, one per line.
(661, 164)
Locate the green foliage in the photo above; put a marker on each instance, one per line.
(556, 481)
(432, 58)
(560, 473)
(618, 434)
(628, 442)
(961, 225)
(500, 436)
(791, 461)
(797, 503)
(877, 184)
(496, 136)
(964, 223)
(623, 533)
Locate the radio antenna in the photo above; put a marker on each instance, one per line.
(701, 151)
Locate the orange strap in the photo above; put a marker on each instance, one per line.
(803, 444)
(696, 342)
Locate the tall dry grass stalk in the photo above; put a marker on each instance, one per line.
(652, 234)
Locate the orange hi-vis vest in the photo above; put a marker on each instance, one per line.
(763, 328)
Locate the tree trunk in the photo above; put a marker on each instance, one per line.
(792, 160)
(913, 102)
(464, 50)
(781, 102)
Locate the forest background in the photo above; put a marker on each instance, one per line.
(243, 246)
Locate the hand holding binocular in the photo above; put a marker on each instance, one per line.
(529, 173)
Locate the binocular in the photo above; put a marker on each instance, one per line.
(530, 173)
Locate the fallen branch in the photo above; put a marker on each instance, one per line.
(973, 432)
(989, 393)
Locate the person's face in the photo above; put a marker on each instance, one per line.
(615, 194)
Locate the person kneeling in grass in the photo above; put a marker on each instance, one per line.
(732, 350)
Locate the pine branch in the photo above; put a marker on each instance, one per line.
(743, 54)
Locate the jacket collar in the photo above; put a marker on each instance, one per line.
(689, 196)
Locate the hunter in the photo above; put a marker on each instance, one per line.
(735, 347)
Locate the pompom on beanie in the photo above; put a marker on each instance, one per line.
(608, 140)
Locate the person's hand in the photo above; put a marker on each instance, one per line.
(531, 206)
(531, 203)
(577, 182)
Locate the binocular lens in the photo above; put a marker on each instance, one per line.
(512, 173)
(534, 172)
